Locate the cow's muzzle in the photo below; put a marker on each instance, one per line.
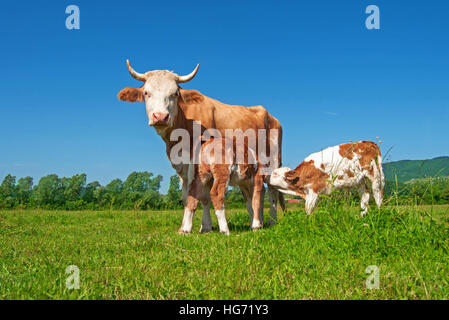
(160, 119)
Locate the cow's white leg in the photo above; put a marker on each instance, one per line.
(311, 200)
(191, 204)
(222, 223)
(273, 199)
(206, 222)
(187, 221)
(364, 199)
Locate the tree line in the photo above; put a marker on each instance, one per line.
(141, 191)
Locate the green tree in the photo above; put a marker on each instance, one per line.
(24, 190)
(74, 187)
(8, 191)
(174, 194)
(49, 192)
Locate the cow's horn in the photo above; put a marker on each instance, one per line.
(136, 75)
(188, 77)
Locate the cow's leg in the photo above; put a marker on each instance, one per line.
(273, 199)
(248, 200)
(256, 202)
(311, 200)
(262, 198)
(364, 198)
(184, 190)
(217, 194)
(206, 222)
(193, 198)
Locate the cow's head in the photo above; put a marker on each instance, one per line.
(160, 93)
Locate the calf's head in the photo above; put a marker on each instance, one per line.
(277, 178)
(160, 93)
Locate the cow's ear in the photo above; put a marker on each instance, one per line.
(131, 95)
(190, 96)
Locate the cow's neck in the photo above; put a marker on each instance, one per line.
(180, 122)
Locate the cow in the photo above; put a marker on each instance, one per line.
(344, 166)
(217, 169)
(169, 107)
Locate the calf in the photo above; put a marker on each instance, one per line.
(218, 167)
(348, 165)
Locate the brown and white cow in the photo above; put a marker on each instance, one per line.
(170, 107)
(344, 166)
(217, 169)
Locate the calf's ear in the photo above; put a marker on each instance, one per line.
(131, 95)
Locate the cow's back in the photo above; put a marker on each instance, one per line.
(215, 114)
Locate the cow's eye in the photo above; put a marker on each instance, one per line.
(146, 93)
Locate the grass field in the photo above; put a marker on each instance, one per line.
(139, 255)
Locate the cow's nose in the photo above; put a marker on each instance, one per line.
(159, 117)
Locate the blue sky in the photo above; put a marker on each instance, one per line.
(312, 64)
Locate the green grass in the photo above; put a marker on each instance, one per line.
(139, 255)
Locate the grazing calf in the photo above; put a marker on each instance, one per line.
(348, 165)
(218, 168)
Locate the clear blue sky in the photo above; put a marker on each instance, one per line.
(312, 64)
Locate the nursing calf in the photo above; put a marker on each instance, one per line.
(344, 166)
(218, 168)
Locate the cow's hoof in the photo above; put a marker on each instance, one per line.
(256, 228)
(184, 232)
(227, 233)
(270, 223)
(205, 229)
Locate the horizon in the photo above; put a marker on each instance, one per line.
(313, 66)
(164, 192)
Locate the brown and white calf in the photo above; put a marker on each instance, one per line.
(344, 166)
(217, 169)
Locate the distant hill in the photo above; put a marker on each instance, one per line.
(415, 169)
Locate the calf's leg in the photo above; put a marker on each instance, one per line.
(256, 202)
(217, 194)
(311, 200)
(206, 222)
(377, 191)
(364, 198)
(248, 200)
(273, 195)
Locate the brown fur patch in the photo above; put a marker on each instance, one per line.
(218, 191)
(306, 174)
(367, 150)
(347, 150)
(131, 95)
